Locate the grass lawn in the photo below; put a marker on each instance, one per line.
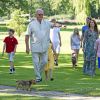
(67, 79)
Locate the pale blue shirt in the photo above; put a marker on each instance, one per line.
(84, 29)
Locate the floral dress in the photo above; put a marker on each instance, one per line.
(90, 38)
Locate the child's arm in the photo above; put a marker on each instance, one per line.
(71, 41)
(15, 48)
(81, 39)
(52, 47)
(60, 38)
(4, 46)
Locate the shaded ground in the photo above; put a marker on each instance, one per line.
(48, 94)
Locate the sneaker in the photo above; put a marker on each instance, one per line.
(14, 69)
(51, 79)
(56, 63)
(11, 71)
(75, 64)
(39, 80)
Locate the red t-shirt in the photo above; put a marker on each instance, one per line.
(11, 42)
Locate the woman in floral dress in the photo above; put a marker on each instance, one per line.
(88, 48)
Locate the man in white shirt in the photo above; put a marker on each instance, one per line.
(38, 31)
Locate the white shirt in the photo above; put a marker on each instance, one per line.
(39, 35)
(54, 34)
(75, 41)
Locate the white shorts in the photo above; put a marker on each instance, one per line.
(56, 47)
(11, 56)
(75, 47)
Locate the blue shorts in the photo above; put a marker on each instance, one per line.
(11, 56)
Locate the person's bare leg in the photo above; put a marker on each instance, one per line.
(50, 74)
(11, 64)
(46, 74)
(56, 59)
(77, 53)
(12, 69)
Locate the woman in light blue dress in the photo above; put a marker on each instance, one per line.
(90, 38)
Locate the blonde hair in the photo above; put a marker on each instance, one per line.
(76, 29)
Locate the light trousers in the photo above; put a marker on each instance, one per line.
(39, 62)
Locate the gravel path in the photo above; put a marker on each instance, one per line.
(49, 94)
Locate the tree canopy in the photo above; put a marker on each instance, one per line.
(76, 8)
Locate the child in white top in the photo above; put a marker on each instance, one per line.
(56, 40)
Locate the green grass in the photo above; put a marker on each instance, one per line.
(67, 79)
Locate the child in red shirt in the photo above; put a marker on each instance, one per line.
(10, 44)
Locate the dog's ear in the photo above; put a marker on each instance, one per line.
(32, 81)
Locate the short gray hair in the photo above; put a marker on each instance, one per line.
(39, 11)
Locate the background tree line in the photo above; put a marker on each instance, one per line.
(74, 8)
(67, 9)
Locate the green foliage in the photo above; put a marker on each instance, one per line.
(65, 7)
(81, 17)
(83, 8)
(10, 5)
(46, 5)
(17, 22)
(78, 9)
(95, 8)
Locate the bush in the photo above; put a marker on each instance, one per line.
(17, 22)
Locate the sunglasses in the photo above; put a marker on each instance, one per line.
(40, 14)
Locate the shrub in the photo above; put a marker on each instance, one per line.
(17, 22)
